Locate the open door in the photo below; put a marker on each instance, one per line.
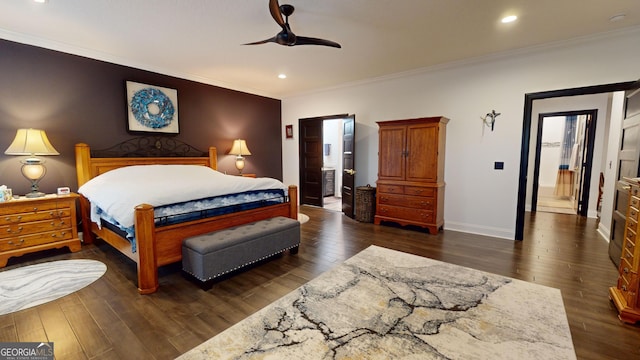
(311, 161)
(586, 163)
(628, 167)
(348, 164)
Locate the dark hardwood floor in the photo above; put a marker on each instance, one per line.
(109, 320)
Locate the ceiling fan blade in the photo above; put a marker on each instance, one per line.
(273, 39)
(274, 8)
(303, 40)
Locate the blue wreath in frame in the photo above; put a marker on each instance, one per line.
(140, 102)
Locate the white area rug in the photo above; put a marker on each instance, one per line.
(302, 218)
(32, 285)
(385, 304)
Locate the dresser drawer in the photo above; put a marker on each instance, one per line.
(391, 189)
(420, 191)
(20, 229)
(635, 202)
(34, 216)
(35, 239)
(629, 245)
(633, 214)
(416, 202)
(627, 255)
(632, 225)
(17, 207)
(422, 216)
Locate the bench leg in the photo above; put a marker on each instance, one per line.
(294, 250)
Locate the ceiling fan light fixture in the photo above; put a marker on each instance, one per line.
(509, 19)
(286, 37)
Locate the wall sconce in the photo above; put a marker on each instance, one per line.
(32, 142)
(490, 118)
(239, 148)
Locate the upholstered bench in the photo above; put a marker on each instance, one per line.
(208, 256)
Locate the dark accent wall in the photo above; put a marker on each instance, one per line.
(77, 99)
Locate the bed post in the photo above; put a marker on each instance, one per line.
(83, 155)
(146, 249)
(213, 158)
(293, 202)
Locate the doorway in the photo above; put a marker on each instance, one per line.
(526, 138)
(332, 132)
(327, 174)
(563, 162)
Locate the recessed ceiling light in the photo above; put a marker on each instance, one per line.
(40, 1)
(282, 76)
(508, 19)
(617, 17)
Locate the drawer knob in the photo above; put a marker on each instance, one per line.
(628, 256)
(20, 242)
(629, 245)
(35, 209)
(626, 270)
(18, 230)
(624, 287)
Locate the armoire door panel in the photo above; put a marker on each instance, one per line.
(422, 153)
(392, 153)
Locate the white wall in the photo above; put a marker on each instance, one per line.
(552, 133)
(478, 198)
(610, 163)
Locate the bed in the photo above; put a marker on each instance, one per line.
(157, 245)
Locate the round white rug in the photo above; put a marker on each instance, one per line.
(302, 218)
(32, 285)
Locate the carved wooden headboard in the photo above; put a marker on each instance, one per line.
(139, 151)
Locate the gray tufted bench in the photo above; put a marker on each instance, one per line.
(208, 256)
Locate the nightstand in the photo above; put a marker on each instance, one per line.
(29, 225)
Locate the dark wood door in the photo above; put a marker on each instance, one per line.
(586, 164)
(348, 165)
(628, 156)
(311, 161)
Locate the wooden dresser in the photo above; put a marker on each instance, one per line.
(29, 225)
(410, 186)
(625, 294)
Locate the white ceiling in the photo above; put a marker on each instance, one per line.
(202, 40)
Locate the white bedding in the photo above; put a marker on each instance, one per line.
(118, 192)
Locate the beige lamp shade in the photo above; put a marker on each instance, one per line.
(31, 142)
(239, 147)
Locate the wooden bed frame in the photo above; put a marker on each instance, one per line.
(157, 246)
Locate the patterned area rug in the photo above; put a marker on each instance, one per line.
(385, 304)
(303, 218)
(28, 286)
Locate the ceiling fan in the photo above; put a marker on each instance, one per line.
(286, 36)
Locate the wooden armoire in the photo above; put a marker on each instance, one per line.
(410, 186)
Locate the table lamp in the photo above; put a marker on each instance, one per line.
(32, 142)
(239, 148)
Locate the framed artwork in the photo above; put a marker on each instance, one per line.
(289, 131)
(152, 109)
